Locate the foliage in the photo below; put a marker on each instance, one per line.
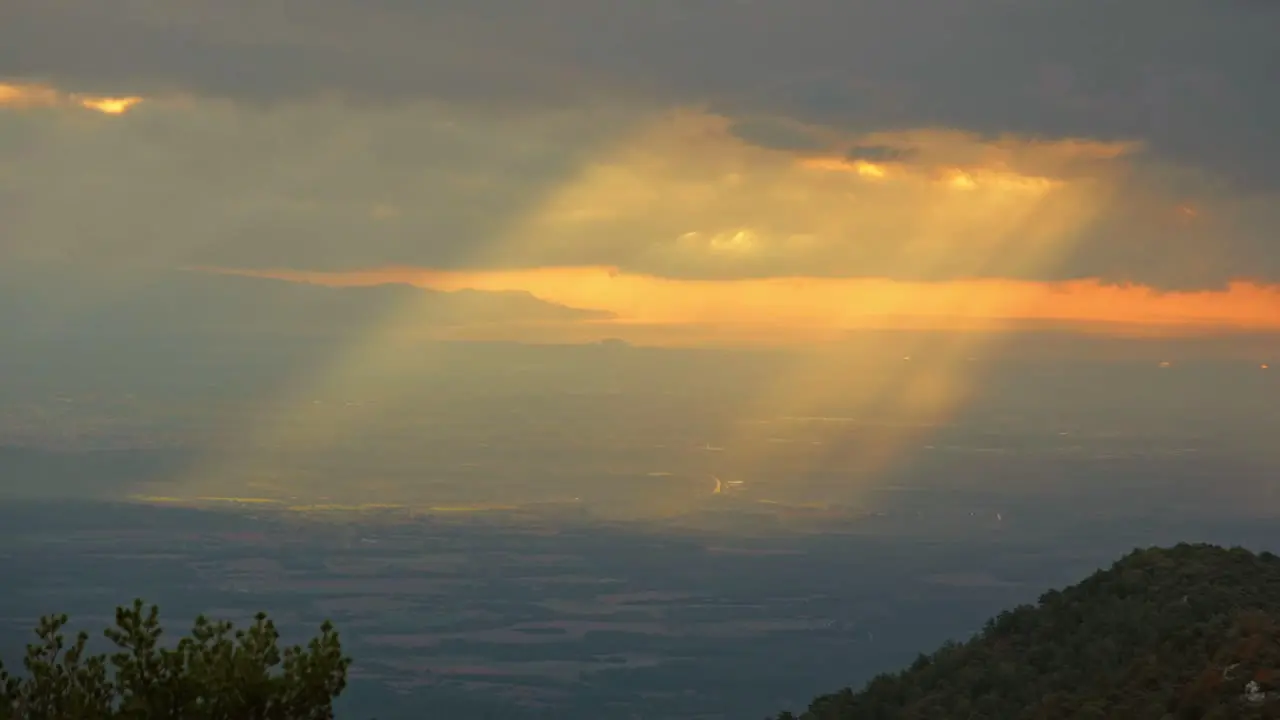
(216, 673)
(1165, 634)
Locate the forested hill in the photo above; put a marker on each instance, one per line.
(1191, 631)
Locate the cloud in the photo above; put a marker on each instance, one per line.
(204, 308)
(182, 180)
(1191, 79)
(806, 309)
(27, 96)
(915, 141)
(879, 153)
(327, 184)
(778, 134)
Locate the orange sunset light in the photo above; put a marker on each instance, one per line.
(824, 304)
(109, 105)
(25, 96)
(861, 167)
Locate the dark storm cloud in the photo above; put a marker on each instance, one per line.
(321, 184)
(263, 53)
(1196, 79)
(278, 178)
(878, 153)
(778, 135)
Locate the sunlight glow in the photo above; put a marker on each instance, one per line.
(25, 96)
(688, 235)
(109, 105)
(824, 305)
(861, 167)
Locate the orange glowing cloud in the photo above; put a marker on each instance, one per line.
(860, 167)
(684, 197)
(31, 95)
(109, 105)
(28, 96)
(808, 308)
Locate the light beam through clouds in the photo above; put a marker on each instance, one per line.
(715, 216)
(677, 228)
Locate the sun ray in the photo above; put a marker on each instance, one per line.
(266, 455)
(936, 228)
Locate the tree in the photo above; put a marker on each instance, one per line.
(1191, 631)
(216, 673)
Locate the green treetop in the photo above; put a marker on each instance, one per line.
(215, 673)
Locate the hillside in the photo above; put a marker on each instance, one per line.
(1191, 631)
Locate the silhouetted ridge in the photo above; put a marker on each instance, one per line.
(1191, 631)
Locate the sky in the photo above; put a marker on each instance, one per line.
(792, 171)
(692, 173)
